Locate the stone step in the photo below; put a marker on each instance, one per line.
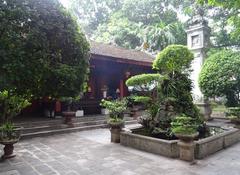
(60, 131)
(59, 126)
(56, 121)
(46, 131)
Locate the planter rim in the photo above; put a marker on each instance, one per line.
(7, 142)
(186, 137)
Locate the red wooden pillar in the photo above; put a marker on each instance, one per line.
(121, 88)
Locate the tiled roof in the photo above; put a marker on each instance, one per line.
(115, 52)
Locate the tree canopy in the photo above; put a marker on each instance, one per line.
(43, 52)
(173, 58)
(152, 25)
(220, 76)
(141, 24)
(228, 13)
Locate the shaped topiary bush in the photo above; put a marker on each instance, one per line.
(173, 58)
(220, 76)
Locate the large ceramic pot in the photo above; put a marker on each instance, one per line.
(8, 144)
(68, 115)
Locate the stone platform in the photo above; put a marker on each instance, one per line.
(91, 153)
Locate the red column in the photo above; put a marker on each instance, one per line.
(122, 88)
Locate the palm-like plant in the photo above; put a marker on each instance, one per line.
(159, 36)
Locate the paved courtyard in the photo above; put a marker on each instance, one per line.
(91, 153)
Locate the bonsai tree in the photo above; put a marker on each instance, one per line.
(172, 94)
(10, 106)
(44, 53)
(116, 109)
(145, 88)
(220, 77)
(184, 125)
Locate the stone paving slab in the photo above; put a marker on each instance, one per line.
(91, 153)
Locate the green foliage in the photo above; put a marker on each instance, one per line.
(159, 36)
(233, 112)
(178, 89)
(8, 132)
(11, 105)
(119, 30)
(144, 82)
(131, 23)
(141, 99)
(171, 95)
(92, 14)
(183, 124)
(43, 50)
(232, 19)
(173, 58)
(220, 76)
(147, 87)
(115, 107)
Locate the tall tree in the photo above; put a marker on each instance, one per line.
(92, 13)
(43, 52)
(233, 17)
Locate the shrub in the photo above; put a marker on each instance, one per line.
(220, 76)
(183, 124)
(173, 58)
(116, 109)
(144, 82)
(11, 105)
(43, 50)
(233, 112)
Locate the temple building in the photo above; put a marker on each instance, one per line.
(110, 67)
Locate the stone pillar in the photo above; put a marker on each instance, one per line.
(186, 150)
(198, 34)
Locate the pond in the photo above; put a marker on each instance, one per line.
(210, 131)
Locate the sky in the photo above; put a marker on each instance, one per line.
(64, 2)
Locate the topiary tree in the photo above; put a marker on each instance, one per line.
(174, 58)
(175, 62)
(173, 91)
(220, 76)
(146, 87)
(43, 52)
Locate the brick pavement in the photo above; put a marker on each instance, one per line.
(91, 153)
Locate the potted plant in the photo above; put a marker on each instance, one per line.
(116, 109)
(10, 106)
(184, 127)
(68, 112)
(233, 113)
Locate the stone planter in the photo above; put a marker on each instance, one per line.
(8, 149)
(205, 110)
(211, 145)
(115, 129)
(187, 137)
(115, 135)
(186, 146)
(68, 115)
(8, 145)
(168, 148)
